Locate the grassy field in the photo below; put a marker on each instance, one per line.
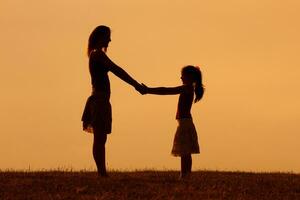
(148, 185)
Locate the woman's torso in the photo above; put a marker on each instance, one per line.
(99, 73)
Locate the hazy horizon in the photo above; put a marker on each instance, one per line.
(247, 50)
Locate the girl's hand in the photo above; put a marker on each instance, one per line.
(145, 88)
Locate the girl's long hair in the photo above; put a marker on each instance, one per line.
(196, 74)
(99, 34)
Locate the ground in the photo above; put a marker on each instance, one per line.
(148, 185)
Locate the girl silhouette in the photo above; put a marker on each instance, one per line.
(97, 114)
(185, 140)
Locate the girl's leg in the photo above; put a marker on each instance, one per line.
(184, 167)
(189, 163)
(99, 152)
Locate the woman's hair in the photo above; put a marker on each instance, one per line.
(100, 33)
(196, 75)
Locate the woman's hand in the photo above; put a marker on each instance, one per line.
(141, 88)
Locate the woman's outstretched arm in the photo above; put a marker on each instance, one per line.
(121, 73)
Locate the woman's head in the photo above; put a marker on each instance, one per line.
(191, 74)
(99, 38)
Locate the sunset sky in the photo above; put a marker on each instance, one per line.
(248, 52)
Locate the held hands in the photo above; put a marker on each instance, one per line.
(142, 89)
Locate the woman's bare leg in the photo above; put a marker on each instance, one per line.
(99, 152)
(189, 163)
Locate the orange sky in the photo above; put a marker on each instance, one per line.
(248, 52)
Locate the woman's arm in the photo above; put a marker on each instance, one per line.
(122, 74)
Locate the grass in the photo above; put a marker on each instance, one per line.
(148, 185)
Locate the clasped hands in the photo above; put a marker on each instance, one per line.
(142, 88)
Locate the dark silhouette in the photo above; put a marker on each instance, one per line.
(185, 140)
(97, 114)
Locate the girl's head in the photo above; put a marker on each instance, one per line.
(192, 75)
(99, 38)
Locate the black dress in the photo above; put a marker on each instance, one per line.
(97, 113)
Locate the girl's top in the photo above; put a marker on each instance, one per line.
(185, 102)
(98, 71)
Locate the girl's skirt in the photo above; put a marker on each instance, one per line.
(97, 115)
(185, 140)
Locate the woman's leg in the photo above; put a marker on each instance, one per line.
(189, 163)
(99, 152)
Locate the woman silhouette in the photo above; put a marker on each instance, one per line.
(97, 115)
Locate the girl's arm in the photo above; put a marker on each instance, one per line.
(164, 90)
